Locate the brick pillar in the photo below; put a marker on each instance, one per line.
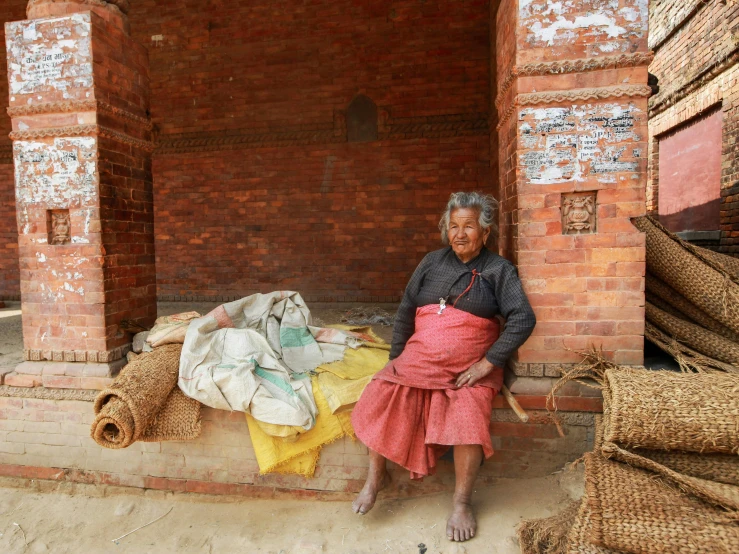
(79, 93)
(572, 106)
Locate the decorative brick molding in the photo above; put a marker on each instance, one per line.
(53, 107)
(575, 95)
(335, 133)
(205, 142)
(35, 355)
(78, 106)
(583, 94)
(123, 138)
(580, 65)
(49, 132)
(122, 6)
(43, 393)
(83, 130)
(436, 126)
(503, 117)
(524, 369)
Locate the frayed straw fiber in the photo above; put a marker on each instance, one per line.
(683, 308)
(144, 403)
(632, 511)
(688, 359)
(697, 277)
(662, 410)
(695, 336)
(547, 535)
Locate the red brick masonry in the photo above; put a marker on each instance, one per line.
(50, 439)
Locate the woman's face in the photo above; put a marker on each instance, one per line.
(466, 237)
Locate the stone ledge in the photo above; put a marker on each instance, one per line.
(77, 356)
(700, 235)
(526, 369)
(61, 382)
(543, 386)
(70, 369)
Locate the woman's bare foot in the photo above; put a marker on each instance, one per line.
(367, 496)
(461, 525)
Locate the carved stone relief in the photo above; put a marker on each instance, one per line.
(578, 213)
(60, 228)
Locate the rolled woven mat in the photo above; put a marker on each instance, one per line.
(700, 339)
(685, 309)
(631, 511)
(729, 263)
(720, 494)
(721, 468)
(578, 537)
(547, 535)
(688, 359)
(695, 276)
(664, 306)
(663, 410)
(144, 403)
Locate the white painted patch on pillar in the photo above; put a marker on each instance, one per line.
(561, 145)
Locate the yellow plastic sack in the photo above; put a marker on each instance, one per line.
(341, 394)
(299, 456)
(336, 389)
(366, 360)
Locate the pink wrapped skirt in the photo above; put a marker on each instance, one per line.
(412, 412)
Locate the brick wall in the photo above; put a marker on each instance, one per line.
(336, 222)
(665, 16)
(284, 201)
(9, 276)
(11, 10)
(255, 185)
(50, 439)
(696, 58)
(505, 41)
(572, 109)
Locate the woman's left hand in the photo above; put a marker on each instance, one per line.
(477, 371)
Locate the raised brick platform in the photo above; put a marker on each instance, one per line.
(50, 439)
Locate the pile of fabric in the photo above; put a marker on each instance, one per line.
(664, 474)
(260, 355)
(692, 308)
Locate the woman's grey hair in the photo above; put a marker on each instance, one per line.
(485, 205)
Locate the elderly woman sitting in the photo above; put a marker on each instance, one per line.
(446, 362)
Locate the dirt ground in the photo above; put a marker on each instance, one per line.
(77, 519)
(84, 518)
(11, 335)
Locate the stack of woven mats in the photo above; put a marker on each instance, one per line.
(144, 403)
(664, 474)
(692, 308)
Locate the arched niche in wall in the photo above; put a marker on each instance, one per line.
(361, 120)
